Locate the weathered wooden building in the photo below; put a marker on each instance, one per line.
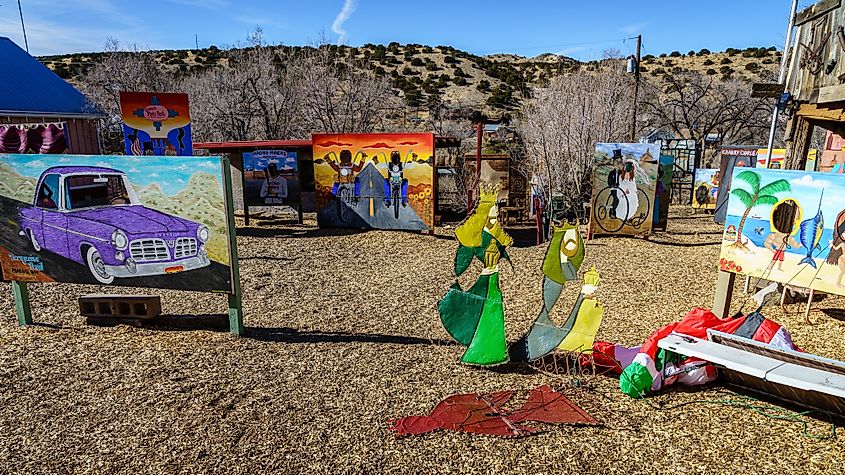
(31, 93)
(815, 79)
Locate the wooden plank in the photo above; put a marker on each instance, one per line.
(815, 11)
(724, 291)
(766, 89)
(236, 320)
(735, 359)
(831, 94)
(808, 379)
(789, 356)
(816, 112)
(770, 369)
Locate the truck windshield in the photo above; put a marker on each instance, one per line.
(86, 191)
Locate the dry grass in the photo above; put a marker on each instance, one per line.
(343, 334)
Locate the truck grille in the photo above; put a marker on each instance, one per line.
(148, 250)
(185, 247)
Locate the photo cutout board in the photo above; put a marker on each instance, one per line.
(787, 226)
(731, 157)
(156, 123)
(663, 191)
(705, 188)
(115, 220)
(624, 184)
(374, 181)
(49, 137)
(779, 155)
(271, 178)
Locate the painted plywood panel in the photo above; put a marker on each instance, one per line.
(115, 220)
(156, 123)
(374, 181)
(787, 226)
(624, 183)
(705, 188)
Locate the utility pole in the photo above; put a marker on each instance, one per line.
(196, 41)
(25, 42)
(636, 87)
(479, 134)
(781, 78)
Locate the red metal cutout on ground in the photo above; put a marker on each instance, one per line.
(547, 405)
(484, 414)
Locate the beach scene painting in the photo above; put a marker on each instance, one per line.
(786, 226)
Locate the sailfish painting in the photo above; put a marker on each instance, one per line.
(810, 234)
(563, 259)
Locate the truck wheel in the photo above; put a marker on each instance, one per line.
(33, 241)
(97, 266)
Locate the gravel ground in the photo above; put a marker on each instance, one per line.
(343, 334)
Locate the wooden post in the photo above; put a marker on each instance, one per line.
(809, 302)
(724, 292)
(240, 159)
(636, 89)
(798, 145)
(21, 294)
(236, 322)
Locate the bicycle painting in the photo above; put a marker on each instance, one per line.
(623, 188)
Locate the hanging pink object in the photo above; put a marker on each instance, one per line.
(485, 414)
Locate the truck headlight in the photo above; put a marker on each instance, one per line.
(202, 233)
(119, 239)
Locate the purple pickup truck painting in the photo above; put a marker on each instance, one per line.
(92, 215)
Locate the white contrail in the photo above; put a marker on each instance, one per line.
(340, 19)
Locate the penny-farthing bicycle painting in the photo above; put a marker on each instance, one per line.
(624, 182)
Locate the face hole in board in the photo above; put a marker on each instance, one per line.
(784, 216)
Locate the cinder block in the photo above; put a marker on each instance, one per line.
(120, 306)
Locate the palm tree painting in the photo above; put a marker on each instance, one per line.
(754, 196)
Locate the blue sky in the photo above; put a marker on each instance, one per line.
(579, 29)
(171, 176)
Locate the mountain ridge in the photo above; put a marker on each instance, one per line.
(497, 81)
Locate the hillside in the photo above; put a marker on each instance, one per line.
(497, 81)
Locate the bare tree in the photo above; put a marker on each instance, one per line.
(561, 124)
(694, 105)
(121, 68)
(254, 97)
(339, 94)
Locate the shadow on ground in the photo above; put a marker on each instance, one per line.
(292, 335)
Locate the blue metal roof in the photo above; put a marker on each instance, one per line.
(27, 87)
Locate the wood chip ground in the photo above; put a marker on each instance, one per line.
(342, 335)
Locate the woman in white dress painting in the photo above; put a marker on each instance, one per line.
(632, 172)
